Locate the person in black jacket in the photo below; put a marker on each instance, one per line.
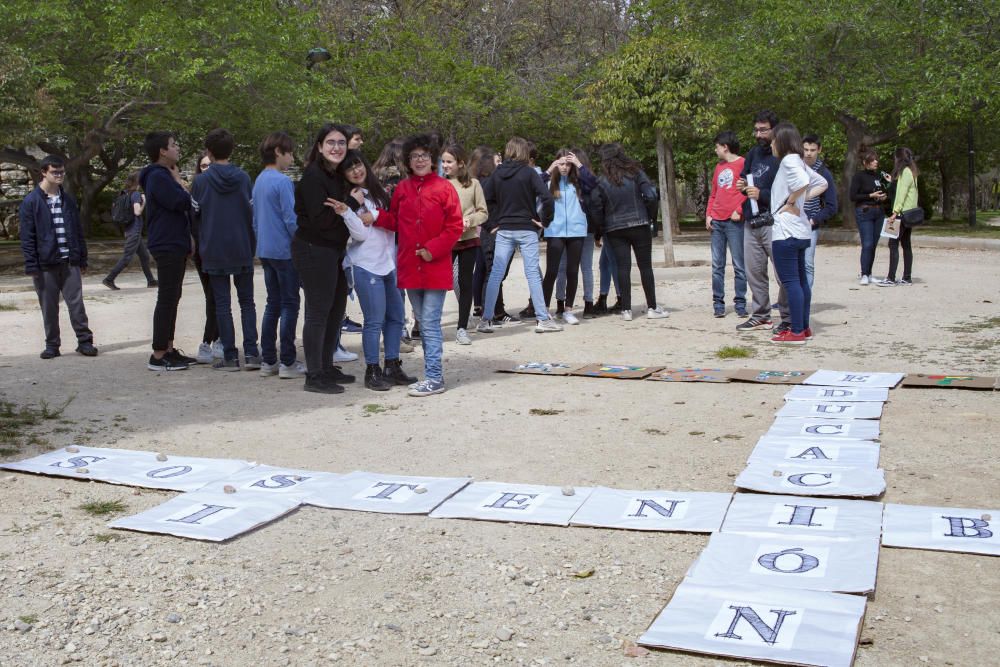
(868, 192)
(819, 209)
(55, 256)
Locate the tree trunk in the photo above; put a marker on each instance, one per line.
(947, 207)
(675, 211)
(667, 208)
(857, 133)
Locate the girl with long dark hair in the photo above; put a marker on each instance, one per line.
(904, 175)
(868, 194)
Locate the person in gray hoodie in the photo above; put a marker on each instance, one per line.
(222, 197)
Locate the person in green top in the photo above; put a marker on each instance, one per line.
(904, 175)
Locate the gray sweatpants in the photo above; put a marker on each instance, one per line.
(756, 256)
(64, 280)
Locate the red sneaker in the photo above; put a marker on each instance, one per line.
(789, 338)
(808, 333)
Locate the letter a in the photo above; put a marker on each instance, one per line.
(813, 453)
(959, 527)
(766, 632)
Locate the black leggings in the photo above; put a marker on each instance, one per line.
(623, 242)
(553, 255)
(211, 322)
(466, 263)
(904, 240)
(325, 289)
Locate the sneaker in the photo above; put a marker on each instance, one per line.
(885, 282)
(462, 337)
(528, 313)
(569, 318)
(204, 355)
(485, 326)
(782, 327)
(320, 385)
(742, 313)
(228, 365)
(110, 284)
(545, 326)
(165, 364)
(351, 327)
(754, 323)
(904, 282)
(251, 363)
(178, 355)
(49, 353)
(296, 370)
(808, 333)
(152, 283)
(338, 376)
(341, 355)
(426, 388)
(789, 338)
(719, 312)
(626, 314)
(865, 280)
(267, 370)
(87, 349)
(218, 352)
(506, 319)
(657, 313)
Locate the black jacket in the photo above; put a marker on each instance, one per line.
(168, 207)
(762, 164)
(863, 183)
(511, 192)
(622, 206)
(38, 236)
(317, 222)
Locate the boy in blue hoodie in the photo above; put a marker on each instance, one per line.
(226, 243)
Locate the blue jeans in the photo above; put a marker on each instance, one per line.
(382, 306)
(282, 283)
(789, 257)
(224, 313)
(869, 227)
(586, 266)
(609, 271)
(728, 233)
(811, 256)
(427, 305)
(506, 242)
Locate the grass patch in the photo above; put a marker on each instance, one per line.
(104, 538)
(543, 412)
(103, 507)
(30, 619)
(959, 228)
(376, 409)
(974, 326)
(696, 433)
(653, 431)
(8, 306)
(17, 423)
(734, 352)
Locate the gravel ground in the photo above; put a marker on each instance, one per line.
(324, 586)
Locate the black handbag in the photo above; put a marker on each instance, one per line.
(913, 217)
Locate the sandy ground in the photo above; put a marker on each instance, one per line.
(323, 586)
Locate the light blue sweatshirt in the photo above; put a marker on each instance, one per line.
(569, 219)
(274, 220)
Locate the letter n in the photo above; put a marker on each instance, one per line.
(768, 633)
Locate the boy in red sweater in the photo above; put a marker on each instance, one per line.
(723, 219)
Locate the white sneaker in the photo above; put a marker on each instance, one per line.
(341, 355)
(267, 370)
(569, 318)
(296, 370)
(204, 355)
(656, 313)
(484, 326)
(865, 280)
(545, 326)
(217, 352)
(462, 337)
(627, 315)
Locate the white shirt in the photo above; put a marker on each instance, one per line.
(371, 248)
(793, 174)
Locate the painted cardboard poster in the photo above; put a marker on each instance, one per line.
(690, 375)
(541, 368)
(618, 372)
(768, 376)
(952, 381)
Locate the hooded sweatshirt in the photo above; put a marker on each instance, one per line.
(167, 208)
(225, 235)
(510, 198)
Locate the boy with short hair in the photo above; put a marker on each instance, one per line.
(723, 218)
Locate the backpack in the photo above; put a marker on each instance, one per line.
(122, 213)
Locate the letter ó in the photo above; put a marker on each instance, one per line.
(656, 507)
(797, 479)
(959, 527)
(202, 514)
(766, 632)
(802, 515)
(806, 562)
(180, 470)
(390, 489)
(502, 503)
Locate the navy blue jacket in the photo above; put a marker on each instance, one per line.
(167, 212)
(225, 232)
(764, 166)
(821, 209)
(38, 236)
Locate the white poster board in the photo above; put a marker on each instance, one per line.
(969, 530)
(809, 480)
(812, 563)
(213, 517)
(833, 518)
(854, 379)
(847, 429)
(388, 493)
(831, 410)
(520, 503)
(687, 511)
(272, 480)
(816, 452)
(131, 467)
(760, 622)
(843, 394)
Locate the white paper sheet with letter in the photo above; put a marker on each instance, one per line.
(760, 622)
(812, 563)
(521, 503)
(687, 511)
(969, 530)
(388, 493)
(803, 392)
(817, 452)
(831, 410)
(214, 517)
(131, 467)
(854, 379)
(833, 518)
(849, 429)
(272, 480)
(808, 480)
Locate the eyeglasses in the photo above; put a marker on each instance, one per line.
(356, 167)
(761, 130)
(58, 174)
(335, 143)
(419, 157)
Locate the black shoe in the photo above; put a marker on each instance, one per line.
(617, 308)
(87, 349)
(320, 385)
(49, 353)
(415, 331)
(393, 372)
(374, 379)
(477, 311)
(528, 313)
(178, 356)
(337, 376)
(153, 283)
(110, 284)
(165, 364)
(600, 307)
(560, 306)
